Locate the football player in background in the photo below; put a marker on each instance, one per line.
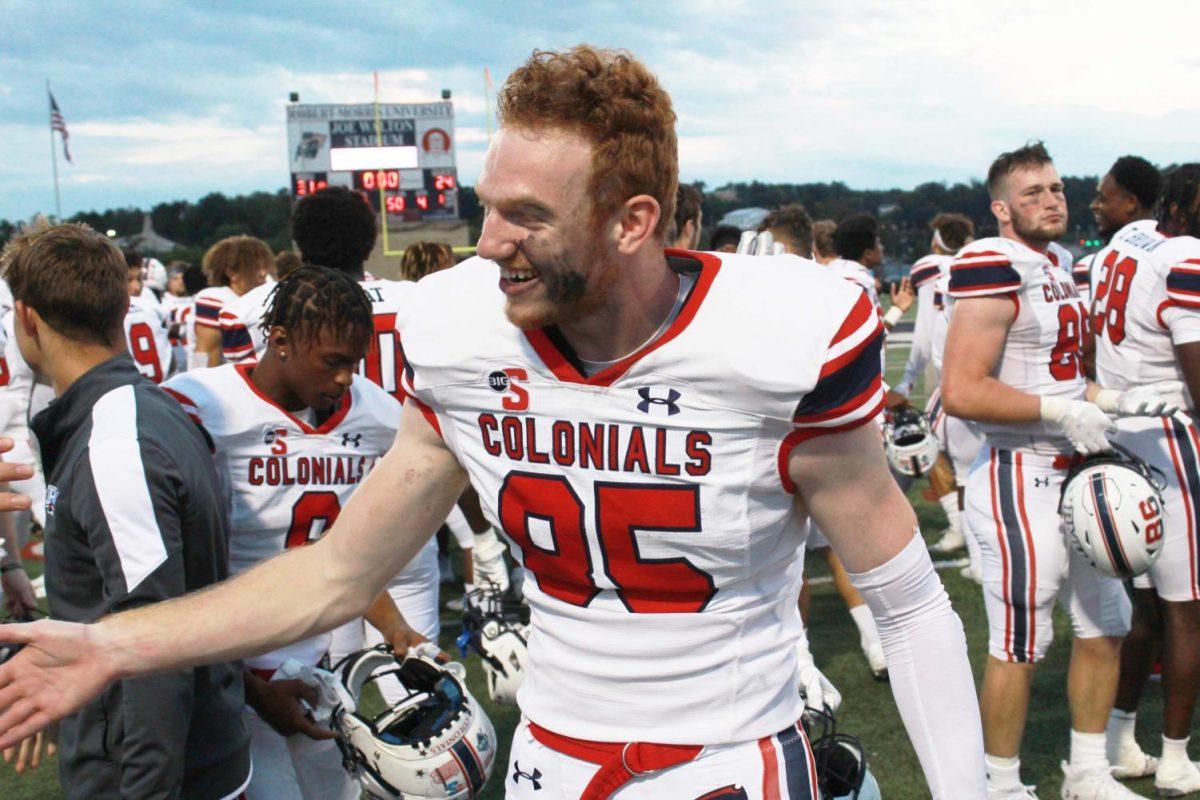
(635, 424)
(1013, 364)
(1146, 321)
(1125, 194)
(335, 228)
(146, 330)
(859, 257)
(725, 239)
(293, 436)
(791, 226)
(233, 267)
(823, 250)
(930, 277)
(424, 258)
(684, 231)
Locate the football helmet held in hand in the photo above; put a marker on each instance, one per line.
(496, 626)
(436, 742)
(1112, 512)
(841, 760)
(910, 444)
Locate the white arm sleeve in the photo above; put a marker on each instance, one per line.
(927, 663)
(922, 344)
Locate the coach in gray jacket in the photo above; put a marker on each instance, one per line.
(133, 516)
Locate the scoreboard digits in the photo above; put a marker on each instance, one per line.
(400, 157)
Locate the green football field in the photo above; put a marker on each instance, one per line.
(867, 711)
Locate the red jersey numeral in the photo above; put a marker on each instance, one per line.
(1112, 295)
(145, 351)
(564, 569)
(1066, 361)
(381, 365)
(5, 375)
(311, 508)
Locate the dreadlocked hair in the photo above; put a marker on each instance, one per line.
(311, 300)
(1177, 202)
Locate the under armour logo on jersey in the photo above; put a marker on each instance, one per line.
(534, 777)
(1040, 481)
(668, 401)
(351, 439)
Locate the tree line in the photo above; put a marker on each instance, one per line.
(904, 213)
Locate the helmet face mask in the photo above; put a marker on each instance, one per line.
(436, 742)
(1112, 513)
(840, 760)
(496, 626)
(910, 444)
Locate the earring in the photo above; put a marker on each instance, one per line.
(283, 355)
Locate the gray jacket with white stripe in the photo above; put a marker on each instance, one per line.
(134, 515)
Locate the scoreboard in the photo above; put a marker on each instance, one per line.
(400, 156)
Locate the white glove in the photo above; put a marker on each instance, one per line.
(818, 693)
(1083, 423)
(759, 244)
(324, 681)
(1159, 400)
(488, 558)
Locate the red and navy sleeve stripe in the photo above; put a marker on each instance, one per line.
(1183, 284)
(982, 273)
(850, 385)
(208, 314)
(235, 341)
(1082, 273)
(923, 272)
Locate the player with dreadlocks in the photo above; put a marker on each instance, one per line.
(293, 436)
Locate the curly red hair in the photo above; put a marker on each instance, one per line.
(612, 100)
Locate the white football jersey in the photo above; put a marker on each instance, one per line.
(927, 274)
(649, 501)
(21, 395)
(146, 333)
(944, 304)
(1147, 300)
(179, 312)
(242, 336)
(856, 272)
(1082, 273)
(287, 480)
(1042, 353)
(209, 302)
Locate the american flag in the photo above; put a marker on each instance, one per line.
(58, 124)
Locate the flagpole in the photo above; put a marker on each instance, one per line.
(54, 162)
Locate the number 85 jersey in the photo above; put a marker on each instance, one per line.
(650, 501)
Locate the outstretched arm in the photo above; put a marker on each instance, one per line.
(844, 482)
(297, 594)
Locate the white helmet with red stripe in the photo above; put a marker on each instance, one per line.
(1112, 512)
(436, 742)
(911, 447)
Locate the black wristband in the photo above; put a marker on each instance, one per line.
(11, 567)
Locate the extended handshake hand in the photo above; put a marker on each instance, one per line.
(1087, 424)
(10, 473)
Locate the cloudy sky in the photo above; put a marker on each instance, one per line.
(168, 100)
